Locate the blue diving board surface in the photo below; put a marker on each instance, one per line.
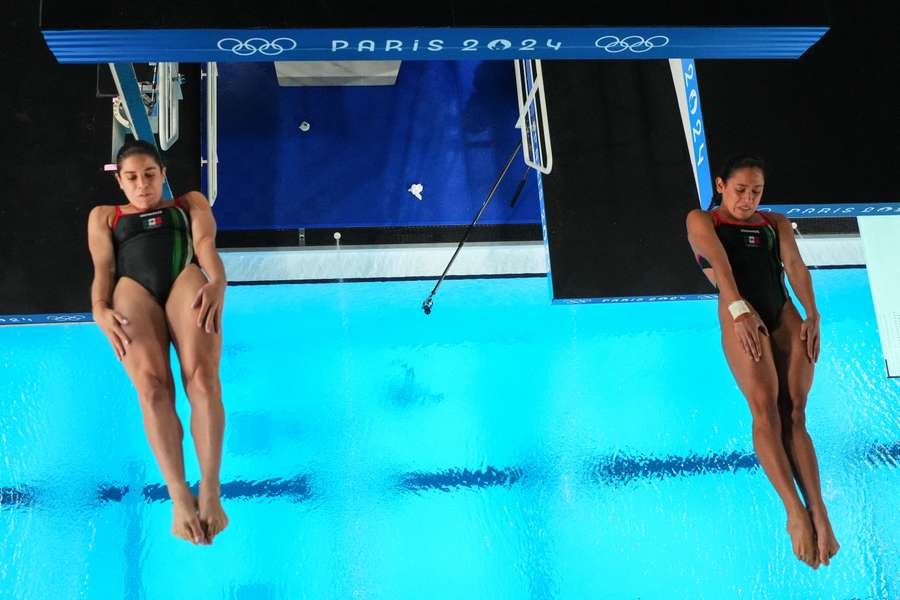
(828, 211)
(248, 30)
(428, 43)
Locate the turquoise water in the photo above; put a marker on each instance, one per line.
(501, 448)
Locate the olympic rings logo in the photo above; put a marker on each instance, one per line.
(253, 45)
(37, 319)
(631, 43)
(65, 318)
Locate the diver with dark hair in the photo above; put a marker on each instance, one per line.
(158, 280)
(770, 348)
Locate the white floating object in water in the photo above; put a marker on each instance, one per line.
(304, 126)
(416, 190)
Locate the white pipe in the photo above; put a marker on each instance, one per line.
(167, 101)
(212, 168)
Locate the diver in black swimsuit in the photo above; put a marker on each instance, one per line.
(770, 348)
(150, 293)
(153, 247)
(754, 254)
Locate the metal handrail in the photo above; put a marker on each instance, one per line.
(533, 110)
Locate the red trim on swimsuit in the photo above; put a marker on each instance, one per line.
(767, 220)
(177, 202)
(719, 219)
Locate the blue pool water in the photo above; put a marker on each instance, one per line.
(501, 448)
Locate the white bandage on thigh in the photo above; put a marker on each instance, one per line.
(738, 308)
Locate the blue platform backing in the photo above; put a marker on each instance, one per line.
(449, 126)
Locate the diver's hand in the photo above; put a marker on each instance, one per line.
(209, 301)
(747, 328)
(809, 333)
(111, 324)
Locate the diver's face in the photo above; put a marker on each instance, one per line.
(742, 192)
(141, 178)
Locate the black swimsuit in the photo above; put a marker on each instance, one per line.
(755, 256)
(154, 247)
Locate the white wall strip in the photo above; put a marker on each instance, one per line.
(831, 250)
(429, 260)
(377, 262)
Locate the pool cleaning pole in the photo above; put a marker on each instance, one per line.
(426, 306)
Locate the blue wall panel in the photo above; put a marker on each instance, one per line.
(446, 125)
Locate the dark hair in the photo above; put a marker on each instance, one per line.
(735, 163)
(134, 147)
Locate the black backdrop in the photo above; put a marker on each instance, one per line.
(56, 136)
(828, 124)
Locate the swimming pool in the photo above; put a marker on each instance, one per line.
(500, 448)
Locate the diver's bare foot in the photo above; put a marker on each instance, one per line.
(212, 515)
(185, 521)
(803, 538)
(827, 544)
